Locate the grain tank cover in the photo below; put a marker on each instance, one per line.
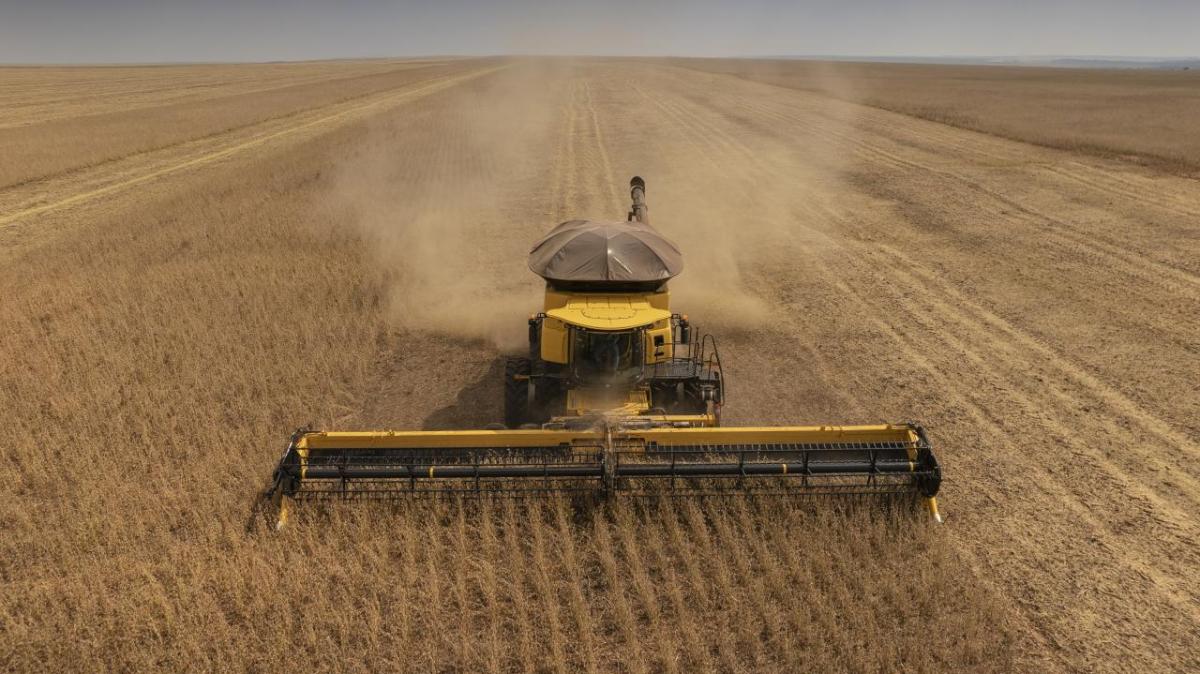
(588, 251)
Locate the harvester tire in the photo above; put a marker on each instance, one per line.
(516, 392)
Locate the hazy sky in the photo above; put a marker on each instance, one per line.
(229, 30)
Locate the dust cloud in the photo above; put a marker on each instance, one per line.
(739, 221)
(744, 194)
(449, 218)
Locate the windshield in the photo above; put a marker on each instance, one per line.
(607, 353)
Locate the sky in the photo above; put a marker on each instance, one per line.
(110, 31)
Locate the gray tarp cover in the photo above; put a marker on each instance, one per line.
(585, 250)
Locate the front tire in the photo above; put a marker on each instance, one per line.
(516, 392)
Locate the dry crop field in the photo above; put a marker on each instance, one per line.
(235, 251)
(1144, 116)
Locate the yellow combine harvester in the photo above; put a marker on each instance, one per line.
(617, 394)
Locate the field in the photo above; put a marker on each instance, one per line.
(196, 260)
(1144, 116)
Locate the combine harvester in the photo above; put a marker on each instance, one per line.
(618, 394)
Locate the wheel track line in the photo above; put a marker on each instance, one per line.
(1156, 269)
(1113, 397)
(601, 194)
(1057, 227)
(1152, 271)
(1162, 580)
(216, 137)
(923, 314)
(691, 132)
(952, 135)
(209, 158)
(1141, 267)
(1176, 203)
(204, 92)
(1079, 509)
(565, 159)
(690, 122)
(947, 135)
(604, 159)
(569, 204)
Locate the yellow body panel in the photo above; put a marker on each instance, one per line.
(554, 341)
(659, 345)
(603, 311)
(631, 403)
(662, 436)
(755, 435)
(423, 439)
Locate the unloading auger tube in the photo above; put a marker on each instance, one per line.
(609, 460)
(637, 193)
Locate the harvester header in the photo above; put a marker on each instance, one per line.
(617, 394)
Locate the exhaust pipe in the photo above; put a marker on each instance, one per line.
(637, 192)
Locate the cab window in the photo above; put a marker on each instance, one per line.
(609, 353)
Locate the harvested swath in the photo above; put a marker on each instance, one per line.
(1144, 114)
(41, 148)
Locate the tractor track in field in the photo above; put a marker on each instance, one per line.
(29, 105)
(1130, 184)
(931, 137)
(1149, 268)
(26, 201)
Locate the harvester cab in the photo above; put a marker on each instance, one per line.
(617, 394)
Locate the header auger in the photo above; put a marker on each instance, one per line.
(618, 394)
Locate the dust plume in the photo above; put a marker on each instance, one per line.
(739, 229)
(747, 200)
(444, 224)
